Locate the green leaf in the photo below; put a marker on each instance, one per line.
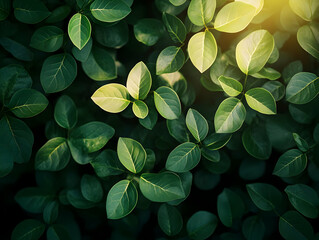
(302, 88)
(201, 12)
(291, 69)
(201, 225)
(187, 180)
(100, 65)
(161, 187)
(291, 163)
(267, 73)
(57, 232)
(109, 10)
(54, 155)
(253, 52)
(234, 17)
(47, 39)
(293, 226)
(175, 27)
(150, 120)
(76, 199)
(216, 141)
(276, 88)
(265, 196)
(253, 228)
(167, 103)
(139, 81)
(59, 14)
(229, 207)
(304, 198)
(306, 9)
(28, 229)
(79, 30)
(300, 142)
(177, 129)
(177, 2)
(148, 31)
(140, 109)
(18, 143)
(307, 37)
(183, 158)
(5, 7)
(196, 124)
(131, 154)
(261, 100)
(121, 199)
(65, 112)
(229, 116)
(231, 86)
(258, 4)
(170, 60)
(31, 11)
(17, 50)
(112, 97)
(91, 136)
(33, 199)
(51, 212)
(169, 219)
(91, 188)
(176, 81)
(27, 103)
(107, 164)
(202, 50)
(83, 55)
(58, 72)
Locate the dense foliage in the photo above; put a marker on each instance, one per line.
(165, 119)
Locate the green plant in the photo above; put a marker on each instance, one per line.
(183, 119)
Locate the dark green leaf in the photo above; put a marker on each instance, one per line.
(169, 219)
(31, 11)
(17, 50)
(301, 143)
(196, 124)
(47, 39)
(91, 188)
(28, 229)
(51, 212)
(170, 60)
(65, 112)
(148, 31)
(167, 103)
(253, 228)
(175, 27)
(201, 225)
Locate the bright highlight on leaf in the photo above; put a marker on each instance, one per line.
(79, 30)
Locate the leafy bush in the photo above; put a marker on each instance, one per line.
(173, 118)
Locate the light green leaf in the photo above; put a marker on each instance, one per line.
(121, 199)
(28, 229)
(167, 103)
(201, 225)
(202, 50)
(175, 27)
(253, 52)
(258, 4)
(65, 112)
(267, 73)
(47, 39)
(229, 116)
(161, 187)
(234, 17)
(201, 12)
(112, 97)
(91, 188)
(109, 10)
(170, 60)
(291, 163)
(231, 86)
(139, 81)
(131, 154)
(306, 9)
(196, 124)
(54, 155)
(307, 37)
(58, 72)
(169, 219)
(183, 158)
(27, 103)
(148, 31)
(140, 109)
(79, 30)
(31, 11)
(261, 100)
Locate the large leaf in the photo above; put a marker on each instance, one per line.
(170, 60)
(79, 30)
(229, 116)
(261, 100)
(110, 10)
(121, 199)
(253, 52)
(231, 86)
(112, 97)
(202, 50)
(27, 103)
(201, 12)
(196, 124)
(58, 72)
(139, 81)
(54, 155)
(161, 187)
(65, 112)
(291, 163)
(308, 39)
(28, 229)
(175, 27)
(18, 50)
(183, 158)
(31, 11)
(167, 103)
(131, 154)
(306, 9)
(169, 219)
(201, 225)
(302, 88)
(234, 17)
(47, 39)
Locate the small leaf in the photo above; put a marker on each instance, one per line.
(161, 187)
(267, 73)
(291, 163)
(140, 109)
(261, 100)
(167, 103)
(231, 86)
(307, 37)
(79, 30)
(47, 39)
(148, 31)
(131, 154)
(175, 27)
(196, 124)
(30, 12)
(65, 112)
(28, 229)
(229, 116)
(170, 60)
(169, 219)
(183, 158)
(216, 141)
(201, 12)
(202, 50)
(91, 188)
(112, 97)
(201, 225)
(300, 142)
